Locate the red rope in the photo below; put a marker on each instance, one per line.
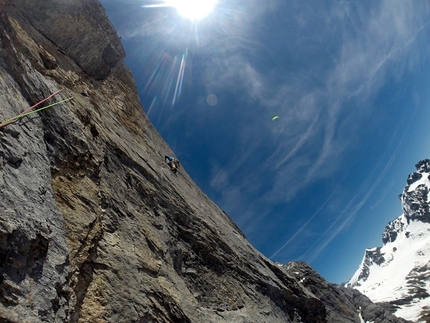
(30, 108)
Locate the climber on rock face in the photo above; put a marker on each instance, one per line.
(173, 163)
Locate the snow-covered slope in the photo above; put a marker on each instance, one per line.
(398, 273)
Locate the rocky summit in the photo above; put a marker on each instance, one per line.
(397, 275)
(94, 226)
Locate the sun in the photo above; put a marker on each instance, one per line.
(193, 9)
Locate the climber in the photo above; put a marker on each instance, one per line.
(173, 163)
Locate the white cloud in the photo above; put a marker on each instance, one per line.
(318, 123)
(321, 83)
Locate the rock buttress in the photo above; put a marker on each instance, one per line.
(94, 227)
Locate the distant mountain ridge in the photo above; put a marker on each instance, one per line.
(398, 273)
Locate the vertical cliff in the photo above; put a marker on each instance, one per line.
(94, 227)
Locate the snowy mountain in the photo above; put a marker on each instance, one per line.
(398, 273)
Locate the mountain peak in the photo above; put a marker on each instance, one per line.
(415, 203)
(397, 274)
(423, 166)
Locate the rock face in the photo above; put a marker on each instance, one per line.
(94, 227)
(397, 274)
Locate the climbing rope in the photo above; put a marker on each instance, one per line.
(31, 111)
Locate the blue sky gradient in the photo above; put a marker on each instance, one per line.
(349, 82)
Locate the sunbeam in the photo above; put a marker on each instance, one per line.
(180, 79)
(194, 10)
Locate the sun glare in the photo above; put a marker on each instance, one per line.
(193, 9)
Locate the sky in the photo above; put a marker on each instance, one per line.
(348, 81)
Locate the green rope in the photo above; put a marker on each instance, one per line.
(34, 111)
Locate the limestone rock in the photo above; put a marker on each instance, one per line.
(94, 227)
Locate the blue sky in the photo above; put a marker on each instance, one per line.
(349, 82)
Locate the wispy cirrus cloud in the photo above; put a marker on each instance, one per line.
(321, 66)
(319, 118)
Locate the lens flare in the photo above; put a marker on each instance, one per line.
(193, 9)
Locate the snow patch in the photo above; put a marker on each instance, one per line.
(361, 317)
(391, 279)
(423, 180)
